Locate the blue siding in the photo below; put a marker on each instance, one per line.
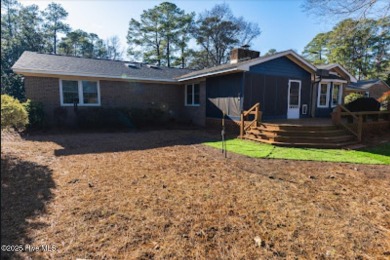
(224, 94)
(280, 67)
(266, 83)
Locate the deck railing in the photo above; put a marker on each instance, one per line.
(254, 110)
(355, 120)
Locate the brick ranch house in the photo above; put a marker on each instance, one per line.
(374, 88)
(286, 85)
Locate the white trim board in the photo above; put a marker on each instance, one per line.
(80, 94)
(331, 66)
(247, 65)
(328, 86)
(289, 110)
(208, 74)
(75, 74)
(193, 95)
(339, 98)
(334, 80)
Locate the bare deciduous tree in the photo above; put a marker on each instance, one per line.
(347, 8)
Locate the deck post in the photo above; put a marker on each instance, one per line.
(257, 116)
(242, 126)
(336, 115)
(260, 114)
(360, 127)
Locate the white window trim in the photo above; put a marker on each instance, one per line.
(327, 95)
(192, 104)
(339, 98)
(289, 87)
(80, 92)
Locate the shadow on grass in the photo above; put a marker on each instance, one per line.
(100, 142)
(381, 149)
(25, 190)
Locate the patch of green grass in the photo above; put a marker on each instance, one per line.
(374, 155)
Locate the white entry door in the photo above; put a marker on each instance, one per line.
(294, 99)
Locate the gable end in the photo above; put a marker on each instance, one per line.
(282, 66)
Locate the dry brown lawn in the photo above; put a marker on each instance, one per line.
(163, 195)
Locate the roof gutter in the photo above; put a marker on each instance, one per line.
(59, 73)
(333, 80)
(208, 74)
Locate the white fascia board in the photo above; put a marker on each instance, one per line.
(208, 74)
(334, 80)
(60, 73)
(352, 78)
(272, 57)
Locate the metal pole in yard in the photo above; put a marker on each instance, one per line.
(224, 151)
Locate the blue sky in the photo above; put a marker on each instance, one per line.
(283, 23)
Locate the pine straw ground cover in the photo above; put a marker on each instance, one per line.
(163, 195)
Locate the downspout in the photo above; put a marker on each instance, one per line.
(313, 97)
(241, 95)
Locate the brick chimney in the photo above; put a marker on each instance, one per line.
(242, 53)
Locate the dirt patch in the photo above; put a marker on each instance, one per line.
(161, 194)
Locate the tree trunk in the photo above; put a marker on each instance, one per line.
(168, 54)
(182, 58)
(55, 42)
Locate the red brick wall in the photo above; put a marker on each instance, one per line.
(168, 97)
(45, 90)
(377, 90)
(196, 114)
(142, 95)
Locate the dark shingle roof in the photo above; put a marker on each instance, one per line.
(366, 84)
(210, 70)
(228, 66)
(67, 65)
(333, 65)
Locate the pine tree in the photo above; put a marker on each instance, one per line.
(55, 14)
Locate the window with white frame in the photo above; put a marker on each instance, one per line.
(192, 95)
(336, 94)
(323, 95)
(82, 92)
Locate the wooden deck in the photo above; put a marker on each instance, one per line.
(344, 129)
(302, 133)
(302, 122)
(310, 132)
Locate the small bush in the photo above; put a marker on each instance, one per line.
(364, 104)
(13, 113)
(60, 115)
(103, 118)
(146, 117)
(118, 118)
(385, 100)
(36, 114)
(352, 97)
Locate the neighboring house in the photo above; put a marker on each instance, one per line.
(330, 88)
(374, 88)
(286, 85)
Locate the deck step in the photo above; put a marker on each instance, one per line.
(286, 127)
(303, 138)
(297, 132)
(303, 144)
(319, 136)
